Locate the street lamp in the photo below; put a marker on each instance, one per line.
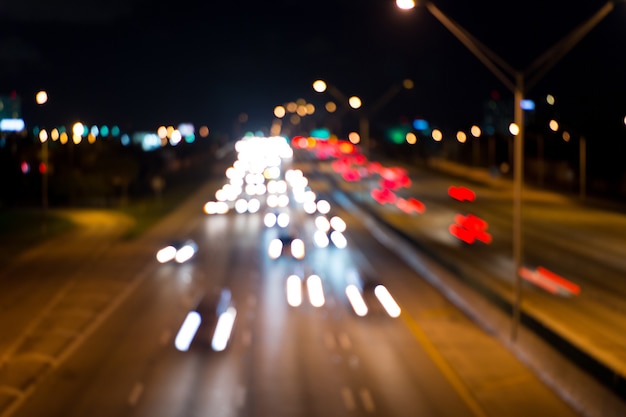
(355, 102)
(41, 98)
(518, 82)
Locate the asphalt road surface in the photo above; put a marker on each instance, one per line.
(89, 328)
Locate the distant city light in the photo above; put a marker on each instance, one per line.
(43, 135)
(41, 97)
(186, 129)
(461, 136)
(527, 105)
(554, 125)
(330, 107)
(12, 125)
(475, 130)
(175, 138)
(566, 136)
(319, 86)
(280, 111)
(162, 132)
(355, 102)
(514, 129)
(78, 129)
(411, 139)
(550, 99)
(420, 124)
(437, 135)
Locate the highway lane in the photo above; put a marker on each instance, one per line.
(582, 243)
(282, 361)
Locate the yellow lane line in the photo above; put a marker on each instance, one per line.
(443, 365)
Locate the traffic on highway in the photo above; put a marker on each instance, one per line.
(265, 293)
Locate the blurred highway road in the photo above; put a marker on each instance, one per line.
(582, 242)
(97, 338)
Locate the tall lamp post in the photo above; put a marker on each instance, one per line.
(320, 86)
(518, 82)
(41, 98)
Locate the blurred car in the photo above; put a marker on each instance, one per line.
(286, 244)
(276, 218)
(329, 232)
(210, 322)
(177, 251)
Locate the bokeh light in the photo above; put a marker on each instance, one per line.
(280, 111)
(319, 86)
(355, 102)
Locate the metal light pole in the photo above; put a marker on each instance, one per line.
(516, 81)
(41, 98)
(583, 166)
(518, 180)
(321, 86)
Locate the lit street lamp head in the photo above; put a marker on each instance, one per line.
(319, 86)
(41, 97)
(405, 4)
(355, 102)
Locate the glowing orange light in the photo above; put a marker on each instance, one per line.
(41, 97)
(346, 147)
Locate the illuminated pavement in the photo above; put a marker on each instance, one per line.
(117, 311)
(554, 226)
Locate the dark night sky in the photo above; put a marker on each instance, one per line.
(141, 64)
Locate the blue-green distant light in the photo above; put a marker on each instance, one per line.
(115, 131)
(320, 133)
